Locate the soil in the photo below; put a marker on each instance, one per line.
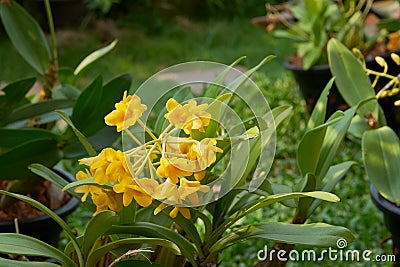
(46, 193)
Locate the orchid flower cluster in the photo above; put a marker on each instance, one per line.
(168, 168)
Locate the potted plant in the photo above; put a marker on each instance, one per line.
(30, 129)
(380, 143)
(314, 23)
(192, 165)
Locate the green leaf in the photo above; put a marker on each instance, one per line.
(87, 181)
(11, 243)
(154, 230)
(88, 146)
(351, 79)
(13, 263)
(96, 101)
(213, 90)
(319, 112)
(14, 93)
(94, 56)
(14, 163)
(96, 227)
(26, 36)
(263, 202)
(126, 244)
(333, 176)
(334, 136)
(381, 157)
(315, 234)
(10, 138)
(308, 152)
(52, 215)
(51, 176)
(36, 110)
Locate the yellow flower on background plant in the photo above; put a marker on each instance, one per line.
(108, 166)
(126, 112)
(189, 116)
(131, 190)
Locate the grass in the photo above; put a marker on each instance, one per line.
(142, 53)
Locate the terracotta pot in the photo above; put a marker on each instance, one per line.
(43, 227)
(391, 216)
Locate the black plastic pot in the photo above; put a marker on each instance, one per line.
(43, 227)
(311, 83)
(391, 216)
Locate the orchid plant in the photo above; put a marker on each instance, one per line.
(181, 183)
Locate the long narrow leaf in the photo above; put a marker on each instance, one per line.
(11, 243)
(316, 235)
(94, 56)
(52, 215)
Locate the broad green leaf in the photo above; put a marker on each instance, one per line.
(319, 112)
(88, 146)
(154, 230)
(40, 108)
(52, 215)
(315, 234)
(381, 157)
(96, 227)
(11, 243)
(51, 176)
(126, 244)
(103, 138)
(334, 136)
(10, 138)
(13, 94)
(96, 101)
(14, 263)
(26, 36)
(94, 56)
(66, 91)
(308, 152)
(351, 79)
(14, 163)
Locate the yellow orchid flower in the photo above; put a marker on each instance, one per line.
(173, 168)
(107, 199)
(126, 112)
(108, 166)
(85, 189)
(131, 190)
(189, 116)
